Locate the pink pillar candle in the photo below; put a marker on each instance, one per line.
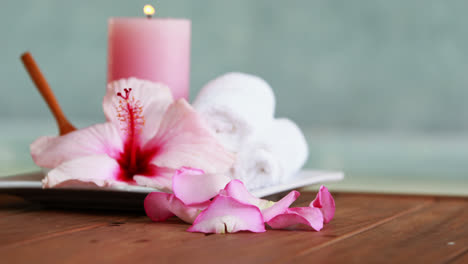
(151, 49)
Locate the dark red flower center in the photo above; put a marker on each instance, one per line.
(133, 160)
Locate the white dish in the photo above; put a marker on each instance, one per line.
(29, 187)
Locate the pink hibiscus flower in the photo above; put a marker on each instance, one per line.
(147, 136)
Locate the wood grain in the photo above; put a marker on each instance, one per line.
(22, 222)
(460, 259)
(366, 228)
(433, 234)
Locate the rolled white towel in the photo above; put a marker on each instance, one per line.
(273, 156)
(235, 105)
(290, 146)
(256, 165)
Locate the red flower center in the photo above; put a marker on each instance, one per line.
(133, 160)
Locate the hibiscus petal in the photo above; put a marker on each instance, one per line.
(157, 177)
(281, 206)
(184, 139)
(226, 214)
(325, 202)
(194, 186)
(154, 98)
(298, 218)
(160, 206)
(49, 152)
(236, 189)
(98, 170)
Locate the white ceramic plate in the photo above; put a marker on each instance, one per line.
(29, 187)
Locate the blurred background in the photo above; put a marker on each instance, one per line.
(380, 88)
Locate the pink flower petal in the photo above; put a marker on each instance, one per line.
(193, 186)
(325, 202)
(281, 206)
(298, 218)
(157, 206)
(98, 170)
(226, 214)
(153, 115)
(159, 178)
(49, 152)
(185, 140)
(154, 98)
(236, 189)
(160, 206)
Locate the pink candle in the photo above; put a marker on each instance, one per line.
(152, 49)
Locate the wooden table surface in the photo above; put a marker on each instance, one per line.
(367, 228)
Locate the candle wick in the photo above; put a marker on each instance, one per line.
(149, 11)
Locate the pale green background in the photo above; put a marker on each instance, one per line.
(379, 87)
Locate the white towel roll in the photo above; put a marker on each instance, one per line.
(235, 105)
(256, 165)
(290, 146)
(273, 156)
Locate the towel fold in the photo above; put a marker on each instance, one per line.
(272, 156)
(256, 165)
(236, 105)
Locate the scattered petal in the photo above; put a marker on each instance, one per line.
(236, 189)
(281, 206)
(160, 206)
(157, 206)
(298, 218)
(193, 186)
(325, 202)
(226, 214)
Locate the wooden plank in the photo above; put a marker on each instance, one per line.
(109, 243)
(139, 240)
(460, 259)
(22, 222)
(434, 234)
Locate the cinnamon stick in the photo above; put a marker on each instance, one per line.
(44, 89)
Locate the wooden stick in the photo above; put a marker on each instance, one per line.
(43, 87)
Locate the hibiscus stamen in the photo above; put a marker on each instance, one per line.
(130, 115)
(127, 94)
